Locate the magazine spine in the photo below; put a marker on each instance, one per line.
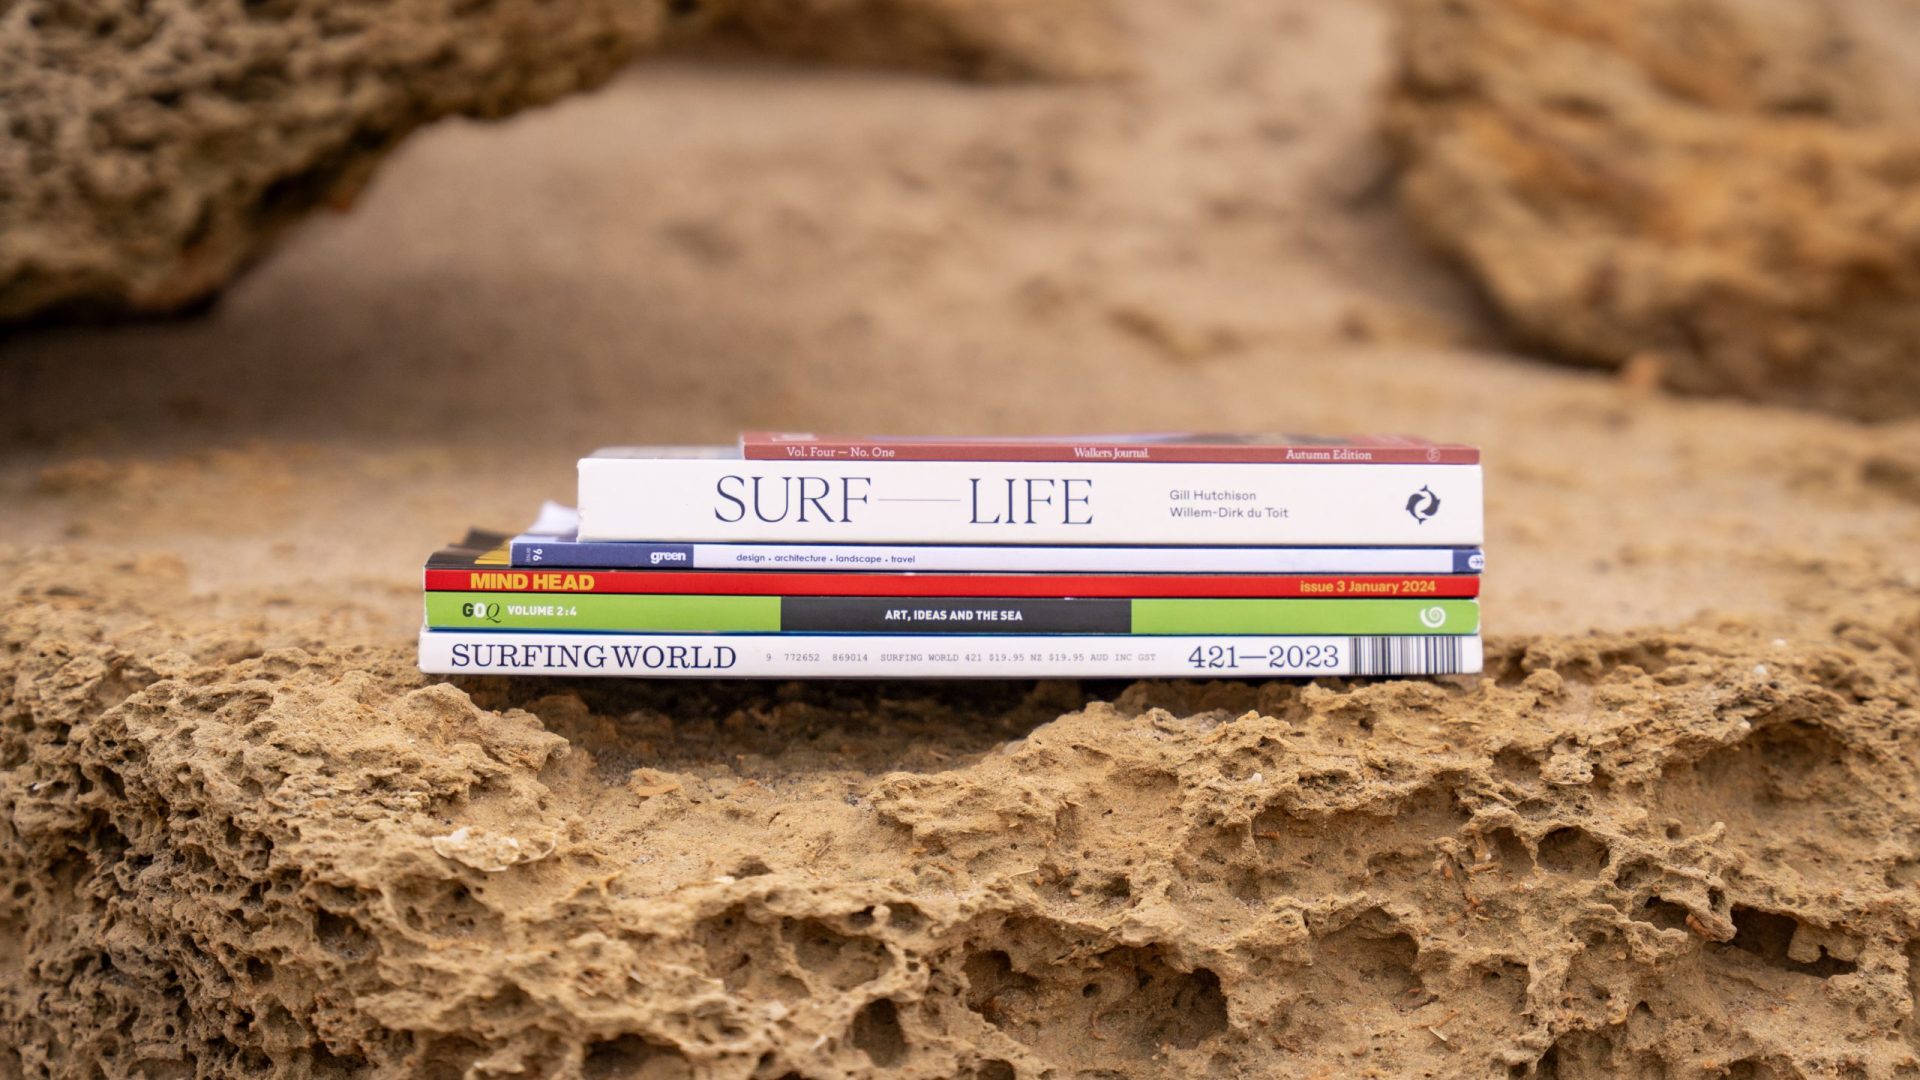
(1359, 452)
(534, 552)
(787, 656)
(945, 502)
(631, 613)
(774, 583)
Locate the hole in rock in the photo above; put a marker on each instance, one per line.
(1374, 951)
(342, 936)
(876, 1030)
(903, 916)
(1571, 850)
(845, 962)
(631, 1057)
(331, 1066)
(1769, 936)
(1665, 914)
(993, 986)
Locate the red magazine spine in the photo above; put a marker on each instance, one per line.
(1100, 453)
(815, 583)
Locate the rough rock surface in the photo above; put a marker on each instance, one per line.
(154, 149)
(1687, 853)
(1721, 191)
(1054, 39)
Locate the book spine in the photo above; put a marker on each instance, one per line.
(788, 656)
(630, 613)
(859, 450)
(540, 551)
(945, 502)
(658, 614)
(776, 583)
(533, 552)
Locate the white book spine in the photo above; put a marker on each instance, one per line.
(907, 656)
(963, 502)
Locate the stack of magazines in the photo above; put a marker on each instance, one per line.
(795, 556)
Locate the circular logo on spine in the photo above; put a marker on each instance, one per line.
(1423, 504)
(1433, 618)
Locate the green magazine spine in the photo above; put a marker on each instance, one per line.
(646, 613)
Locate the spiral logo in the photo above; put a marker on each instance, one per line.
(1422, 505)
(1433, 618)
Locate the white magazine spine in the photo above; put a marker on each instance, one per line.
(962, 502)
(857, 656)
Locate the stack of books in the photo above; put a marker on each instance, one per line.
(792, 556)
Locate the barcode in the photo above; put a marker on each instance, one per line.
(1435, 655)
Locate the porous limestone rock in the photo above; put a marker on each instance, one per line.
(154, 148)
(1683, 853)
(1722, 193)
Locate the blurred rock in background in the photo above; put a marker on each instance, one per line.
(154, 148)
(1721, 194)
(988, 39)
